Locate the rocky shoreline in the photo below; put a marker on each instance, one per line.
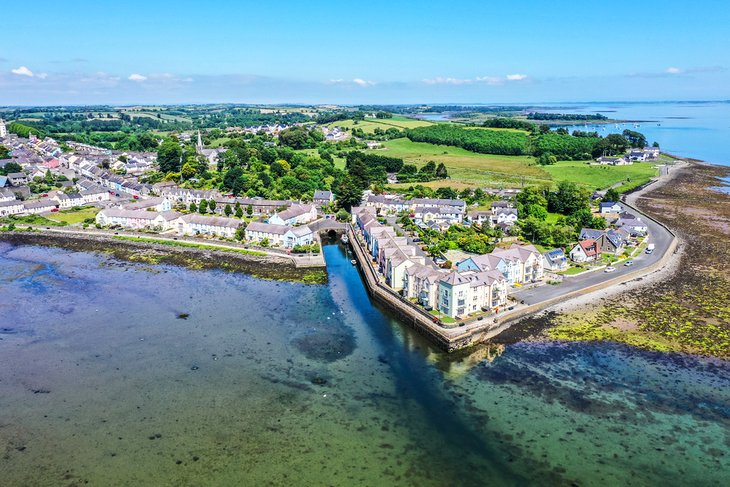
(259, 266)
(682, 308)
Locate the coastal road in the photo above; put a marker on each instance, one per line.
(658, 235)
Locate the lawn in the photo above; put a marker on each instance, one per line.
(602, 177)
(71, 217)
(466, 169)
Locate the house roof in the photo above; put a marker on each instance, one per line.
(215, 221)
(268, 228)
(589, 247)
(294, 211)
(322, 195)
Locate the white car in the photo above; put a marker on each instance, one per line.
(629, 263)
(610, 269)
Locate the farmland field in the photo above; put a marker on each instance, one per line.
(602, 177)
(369, 125)
(466, 168)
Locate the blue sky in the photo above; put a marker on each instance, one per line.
(146, 51)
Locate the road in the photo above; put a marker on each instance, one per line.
(658, 235)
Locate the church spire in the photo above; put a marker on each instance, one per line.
(199, 145)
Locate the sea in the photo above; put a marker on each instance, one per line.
(696, 129)
(126, 374)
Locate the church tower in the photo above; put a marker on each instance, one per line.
(3, 129)
(199, 145)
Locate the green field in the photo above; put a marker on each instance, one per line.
(73, 216)
(469, 169)
(369, 125)
(466, 169)
(602, 177)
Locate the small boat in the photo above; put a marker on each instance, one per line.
(353, 262)
(345, 239)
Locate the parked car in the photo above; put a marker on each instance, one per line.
(610, 269)
(629, 263)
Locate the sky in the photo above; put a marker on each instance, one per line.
(389, 52)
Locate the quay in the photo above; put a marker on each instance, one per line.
(462, 334)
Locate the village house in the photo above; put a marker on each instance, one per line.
(66, 201)
(443, 215)
(322, 198)
(614, 161)
(152, 204)
(519, 264)
(40, 206)
(507, 216)
(17, 178)
(295, 215)
(195, 224)
(460, 294)
(279, 235)
(11, 207)
(480, 217)
(634, 226)
(651, 153)
(609, 207)
(608, 241)
(136, 219)
(585, 251)
(555, 260)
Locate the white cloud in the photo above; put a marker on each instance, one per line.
(673, 70)
(136, 77)
(357, 81)
(22, 71)
(485, 80)
(362, 82)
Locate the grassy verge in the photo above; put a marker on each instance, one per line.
(32, 220)
(174, 243)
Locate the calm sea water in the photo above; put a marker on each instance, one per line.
(690, 129)
(105, 381)
(700, 130)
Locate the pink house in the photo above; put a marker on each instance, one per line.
(51, 163)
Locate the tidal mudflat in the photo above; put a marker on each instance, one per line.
(118, 373)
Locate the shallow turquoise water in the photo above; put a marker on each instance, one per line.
(269, 383)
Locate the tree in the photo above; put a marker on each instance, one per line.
(611, 195)
(636, 139)
(193, 208)
(228, 211)
(169, 156)
(188, 171)
(239, 210)
(10, 167)
(342, 215)
(264, 242)
(249, 209)
(212, 205)
(428, 168)
(441, 171)
(547, 159)
(203, 206)
(446, 193)
(349, 192)
(241, 232)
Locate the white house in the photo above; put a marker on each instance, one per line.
(40, 206)
(610, 207)
(279, 235)
(295, 215)
(156, 204)
(195, 224)
(136, 219)
(12, 207)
